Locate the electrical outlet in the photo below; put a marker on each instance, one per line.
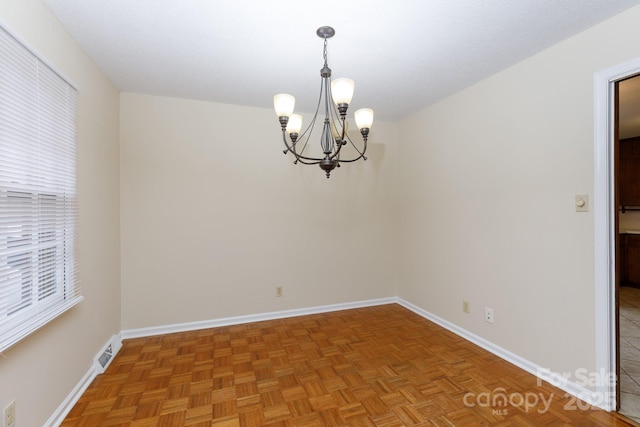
(278, 291)
(488, 315)
(465, 306)
(10, 414)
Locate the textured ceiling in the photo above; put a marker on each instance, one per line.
(402, 54)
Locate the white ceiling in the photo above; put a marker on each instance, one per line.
(402, 54)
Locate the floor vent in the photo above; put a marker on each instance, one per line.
(102, 360)
(105, 356)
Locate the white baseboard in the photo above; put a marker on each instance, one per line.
(555, 379)
(576, 390)
(96, 369)
(237, 320)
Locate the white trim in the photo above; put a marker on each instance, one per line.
(555, 379)
(604, 214)
(469, 336)
(237, 320)
(67, 405)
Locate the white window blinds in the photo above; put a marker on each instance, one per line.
(38, 208)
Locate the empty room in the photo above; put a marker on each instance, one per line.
(435, 226)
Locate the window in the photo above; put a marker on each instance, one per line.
(38, 207)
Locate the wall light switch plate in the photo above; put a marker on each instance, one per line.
(582, 203)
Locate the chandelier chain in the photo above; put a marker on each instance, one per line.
(324, 53)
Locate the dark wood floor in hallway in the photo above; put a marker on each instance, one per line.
(373, 366)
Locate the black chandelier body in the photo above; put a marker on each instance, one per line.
(334, 99)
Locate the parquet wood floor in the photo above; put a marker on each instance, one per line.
(374, 366)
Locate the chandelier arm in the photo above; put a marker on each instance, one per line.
(337, 152)
(309, 129)
(345, 137)
(355, 147)
(307, 132)
(299, 157)
(304, 162)
(286, 144)
(339, 144)
(361, 156)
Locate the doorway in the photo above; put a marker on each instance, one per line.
(606, 231)
(627, 188)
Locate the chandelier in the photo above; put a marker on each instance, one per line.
(335, 96)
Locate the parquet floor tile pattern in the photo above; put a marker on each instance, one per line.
(373, 366)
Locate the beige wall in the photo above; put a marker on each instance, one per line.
(40, 371)
(214, 216)
(487, 180)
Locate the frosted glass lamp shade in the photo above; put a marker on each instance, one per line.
(364, 118)
(295, 124)
(283, 104)
(342, 90)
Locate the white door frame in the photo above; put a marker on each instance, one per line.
(604, 232)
